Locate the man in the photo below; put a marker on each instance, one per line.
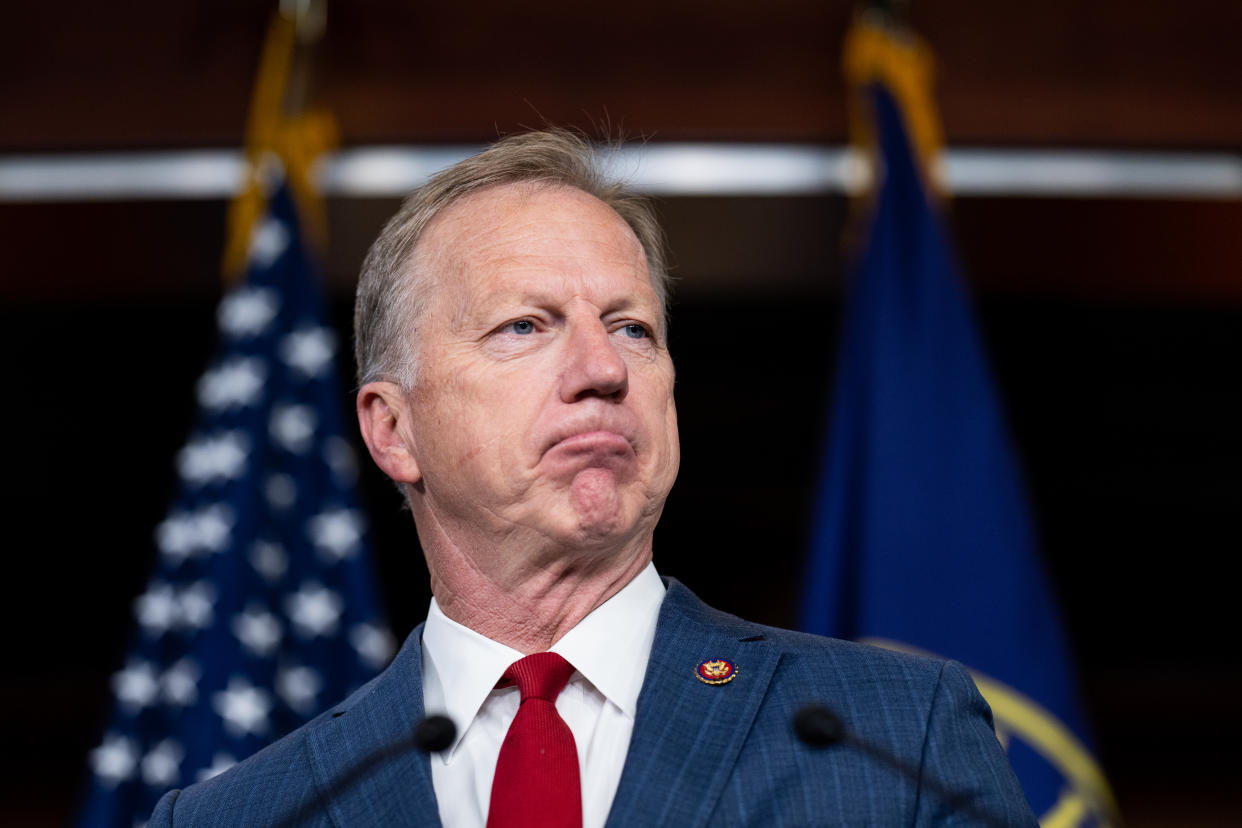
(518, 387)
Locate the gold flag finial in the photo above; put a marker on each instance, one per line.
(281, 127)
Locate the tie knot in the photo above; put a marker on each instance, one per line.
(539, 676)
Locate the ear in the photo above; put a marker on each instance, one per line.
(384, 419)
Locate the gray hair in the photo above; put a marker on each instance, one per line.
(391, 298)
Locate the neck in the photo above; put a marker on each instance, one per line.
(527, 598)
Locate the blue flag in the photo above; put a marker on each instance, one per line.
(922, 537)
(261, 609)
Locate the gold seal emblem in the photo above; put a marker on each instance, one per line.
(716, 671)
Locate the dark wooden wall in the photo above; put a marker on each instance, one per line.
(1144, 73)
(1115, 325)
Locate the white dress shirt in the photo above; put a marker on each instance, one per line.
(609, 650)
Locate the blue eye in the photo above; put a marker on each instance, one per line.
(635, 331)
(522, 326)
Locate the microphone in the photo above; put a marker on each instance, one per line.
(431, 735)
(434, 733)
(816, 726)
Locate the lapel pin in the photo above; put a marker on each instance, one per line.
(716, 671)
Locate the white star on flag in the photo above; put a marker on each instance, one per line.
(314, 610)
(235, 384)
(196, 605)
(336, 533)
(214, 458)
(308, 350)
(280, 490)
(219, 764)
(243, 707)
(293, 427)
(161, 766)
(248, 311)
(373, 644)
(298, 686)
(182, 535)
(136, 686)
(179, 684)
(267, 242)
(157, 608)
(114, 760)
(269, 559)
(258, 631)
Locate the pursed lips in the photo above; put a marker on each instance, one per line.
(592, 441)
(591, 436)
(590, 449)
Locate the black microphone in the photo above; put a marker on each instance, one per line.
(818, 727)
(434, 733)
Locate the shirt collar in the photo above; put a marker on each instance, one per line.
(610, 647)
(460, 669)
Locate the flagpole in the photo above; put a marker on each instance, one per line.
(283, 124)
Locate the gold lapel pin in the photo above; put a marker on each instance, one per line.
(716, 671)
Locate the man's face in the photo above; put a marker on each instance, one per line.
(543, 409)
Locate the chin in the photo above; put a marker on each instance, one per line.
(597, 502)
(603, 533)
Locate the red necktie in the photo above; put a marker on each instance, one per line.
(536, 783)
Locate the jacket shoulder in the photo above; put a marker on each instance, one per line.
(260, 790)
(845, 659)
(924, 711)
(274, 786)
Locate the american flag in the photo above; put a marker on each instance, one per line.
(261, 609)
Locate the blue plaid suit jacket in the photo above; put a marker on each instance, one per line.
(721, 755)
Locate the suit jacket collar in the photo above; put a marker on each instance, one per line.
(687, 734)
(362, 752)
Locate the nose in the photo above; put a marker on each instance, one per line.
(593, 365)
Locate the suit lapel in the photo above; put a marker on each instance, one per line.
(687, 734)
(366, 766)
